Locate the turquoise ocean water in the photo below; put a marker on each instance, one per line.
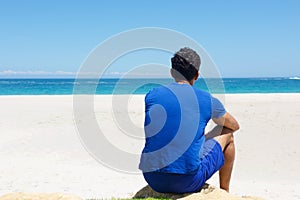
(142, 86)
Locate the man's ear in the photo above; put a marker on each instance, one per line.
(172, 72)
(197, 76)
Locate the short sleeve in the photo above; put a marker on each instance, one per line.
(217, 108)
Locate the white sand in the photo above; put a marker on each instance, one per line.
(40, 150)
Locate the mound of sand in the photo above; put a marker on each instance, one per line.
(207, 193)
(27, 196)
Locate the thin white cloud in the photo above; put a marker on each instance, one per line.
(115, 74)
(35, 73)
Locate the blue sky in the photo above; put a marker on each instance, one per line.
(244, 38)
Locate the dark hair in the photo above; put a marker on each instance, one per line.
(186, 63)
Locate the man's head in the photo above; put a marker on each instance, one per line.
(185, 64)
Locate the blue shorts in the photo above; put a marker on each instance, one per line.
(212, 159)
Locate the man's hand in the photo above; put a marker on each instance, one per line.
(228, 121)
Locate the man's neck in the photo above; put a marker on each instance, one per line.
(191, 82)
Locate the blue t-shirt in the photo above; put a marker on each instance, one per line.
(175, 118)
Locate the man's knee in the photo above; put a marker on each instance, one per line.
(225, 139)
(231, 138)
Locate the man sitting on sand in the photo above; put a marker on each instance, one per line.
(178, 157)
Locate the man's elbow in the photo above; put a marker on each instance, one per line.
(236, 126)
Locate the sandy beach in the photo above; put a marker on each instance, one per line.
(40, 150)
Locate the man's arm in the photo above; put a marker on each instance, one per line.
(228, 121)
(225, 124)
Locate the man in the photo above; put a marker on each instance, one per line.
(178, 157)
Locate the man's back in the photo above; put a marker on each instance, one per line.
(175, 119)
